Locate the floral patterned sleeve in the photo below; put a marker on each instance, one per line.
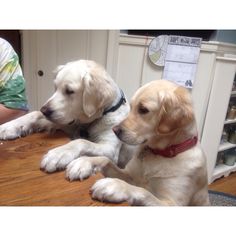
(12, 83)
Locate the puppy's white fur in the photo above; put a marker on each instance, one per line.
(161, 115)
(83, 91)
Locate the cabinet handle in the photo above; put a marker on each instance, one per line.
(40, 73)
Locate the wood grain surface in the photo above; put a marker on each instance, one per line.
(22, 183)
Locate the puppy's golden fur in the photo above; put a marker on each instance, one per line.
(161, 115)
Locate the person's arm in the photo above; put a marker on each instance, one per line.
(7, 114)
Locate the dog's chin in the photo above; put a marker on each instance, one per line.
(133, 141)
(61, 121)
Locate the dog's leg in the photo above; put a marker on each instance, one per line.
(58, 158)
(24, 125)
(201, 198)
(126, 154)
(116, 190)
(84, 167)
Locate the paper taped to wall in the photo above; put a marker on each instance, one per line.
(181, 60)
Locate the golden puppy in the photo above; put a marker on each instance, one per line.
(169, 167)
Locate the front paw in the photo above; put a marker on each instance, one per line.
(110, 190)
(13, 130)
(80, 168)
(57, 159)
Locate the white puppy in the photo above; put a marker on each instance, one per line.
(85, 96)
(170, 166)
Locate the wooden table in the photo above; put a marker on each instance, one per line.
(22, 183)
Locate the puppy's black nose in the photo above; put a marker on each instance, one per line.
(46, 111)
(117, 130)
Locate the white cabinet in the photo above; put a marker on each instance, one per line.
(215, 121)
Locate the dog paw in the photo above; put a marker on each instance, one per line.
(57, 159)
(110, 190)
(81, 169)
(13, 130)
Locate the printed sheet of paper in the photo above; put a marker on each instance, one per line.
(181, 60)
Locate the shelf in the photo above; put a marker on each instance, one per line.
(226, 146)
(230, 121)
(233, 94)
(222, 170)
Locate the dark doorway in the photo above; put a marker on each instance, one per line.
(204, 34)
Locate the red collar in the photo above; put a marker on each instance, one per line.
(174, 150)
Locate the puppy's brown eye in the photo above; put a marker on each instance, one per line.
(69, 91)
(142, 110)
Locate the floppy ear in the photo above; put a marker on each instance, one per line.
(90, 102)
(176, 111)
(96, 94)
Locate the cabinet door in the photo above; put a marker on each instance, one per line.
(44, 50)
(217, 108)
